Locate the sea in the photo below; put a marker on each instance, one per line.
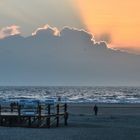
(82, 94)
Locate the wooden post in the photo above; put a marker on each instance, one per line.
(1, 120)
(48, 118)
(57, 115)
(19, 110)
(0, 109)
(29, 121)
(10, 120)
(0, 116)
(39, 110)
(65, 115)
(11, 105)
(19, 113)
(39, 114)
(65, 107)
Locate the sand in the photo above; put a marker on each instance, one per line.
(114, 122)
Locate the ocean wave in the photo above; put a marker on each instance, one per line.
(74, 94)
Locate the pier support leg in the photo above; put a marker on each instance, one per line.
(65, 115)
(48, 118)
(39, 115)
(57, 117)
(29, 121)
(19, 114)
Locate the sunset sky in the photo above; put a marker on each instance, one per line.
(117, 22)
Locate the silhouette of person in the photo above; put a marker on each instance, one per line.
(95, 110)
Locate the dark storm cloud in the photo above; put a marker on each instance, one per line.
(66, 57)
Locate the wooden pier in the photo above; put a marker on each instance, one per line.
(35, 115)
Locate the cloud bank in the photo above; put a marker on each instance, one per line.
(53, 30)
(9, 31)
(67, 57)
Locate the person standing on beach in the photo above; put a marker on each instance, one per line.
(95, 110)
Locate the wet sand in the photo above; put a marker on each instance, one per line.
(114, 122)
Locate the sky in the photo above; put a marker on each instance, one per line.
(119, 20)
(31, 14)
(69, 42)
(116, 22)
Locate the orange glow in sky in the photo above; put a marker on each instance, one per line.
(119, 18)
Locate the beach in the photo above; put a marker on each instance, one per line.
(113, 122)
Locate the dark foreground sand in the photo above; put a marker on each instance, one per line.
(114, 122)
